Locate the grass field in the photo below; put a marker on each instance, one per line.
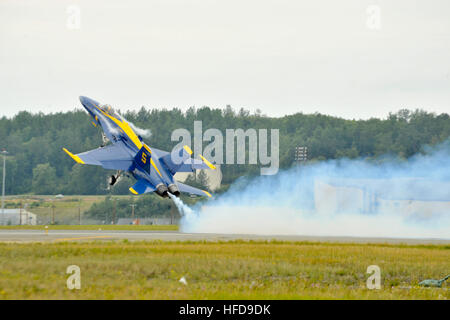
(223, 270)
(94, 227)
(65, 210)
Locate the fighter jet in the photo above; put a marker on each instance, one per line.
(125, 151)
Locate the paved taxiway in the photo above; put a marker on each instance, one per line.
(91, 235)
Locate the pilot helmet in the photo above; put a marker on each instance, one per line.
(108, 108)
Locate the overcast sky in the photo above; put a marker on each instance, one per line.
(332, 57)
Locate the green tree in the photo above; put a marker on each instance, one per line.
(44, 179)
(38, 139)
(199, 180)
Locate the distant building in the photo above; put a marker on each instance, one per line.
(17, 217)
(214, 177)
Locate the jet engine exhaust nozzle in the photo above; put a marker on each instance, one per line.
(173, 189)
(162, 191)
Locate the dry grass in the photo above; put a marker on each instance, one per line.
(94, 227)
(229, 270)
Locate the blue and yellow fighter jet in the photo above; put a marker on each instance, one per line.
(127, 153)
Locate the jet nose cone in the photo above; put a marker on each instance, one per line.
(88, 102)
(84, 100)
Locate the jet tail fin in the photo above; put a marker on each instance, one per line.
(176, 158)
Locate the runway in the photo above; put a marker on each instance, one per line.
(108, 235)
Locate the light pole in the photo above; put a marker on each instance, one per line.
(53, 211)
(132, 210)
(79, 211)
(114, 211)
(4, 152)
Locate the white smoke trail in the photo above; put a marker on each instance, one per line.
(184, 209)
(145, 133)
(105, 121)
(328, 199)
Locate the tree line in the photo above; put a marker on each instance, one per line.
(37, 165)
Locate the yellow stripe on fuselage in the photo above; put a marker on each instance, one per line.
(154, 166)
(126, 129)
(147, 148)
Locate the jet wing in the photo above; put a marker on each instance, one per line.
(160, 153)
(188, 189)
(110, 157)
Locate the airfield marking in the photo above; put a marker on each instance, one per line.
(81, 238)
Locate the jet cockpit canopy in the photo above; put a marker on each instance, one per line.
(109, 110)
